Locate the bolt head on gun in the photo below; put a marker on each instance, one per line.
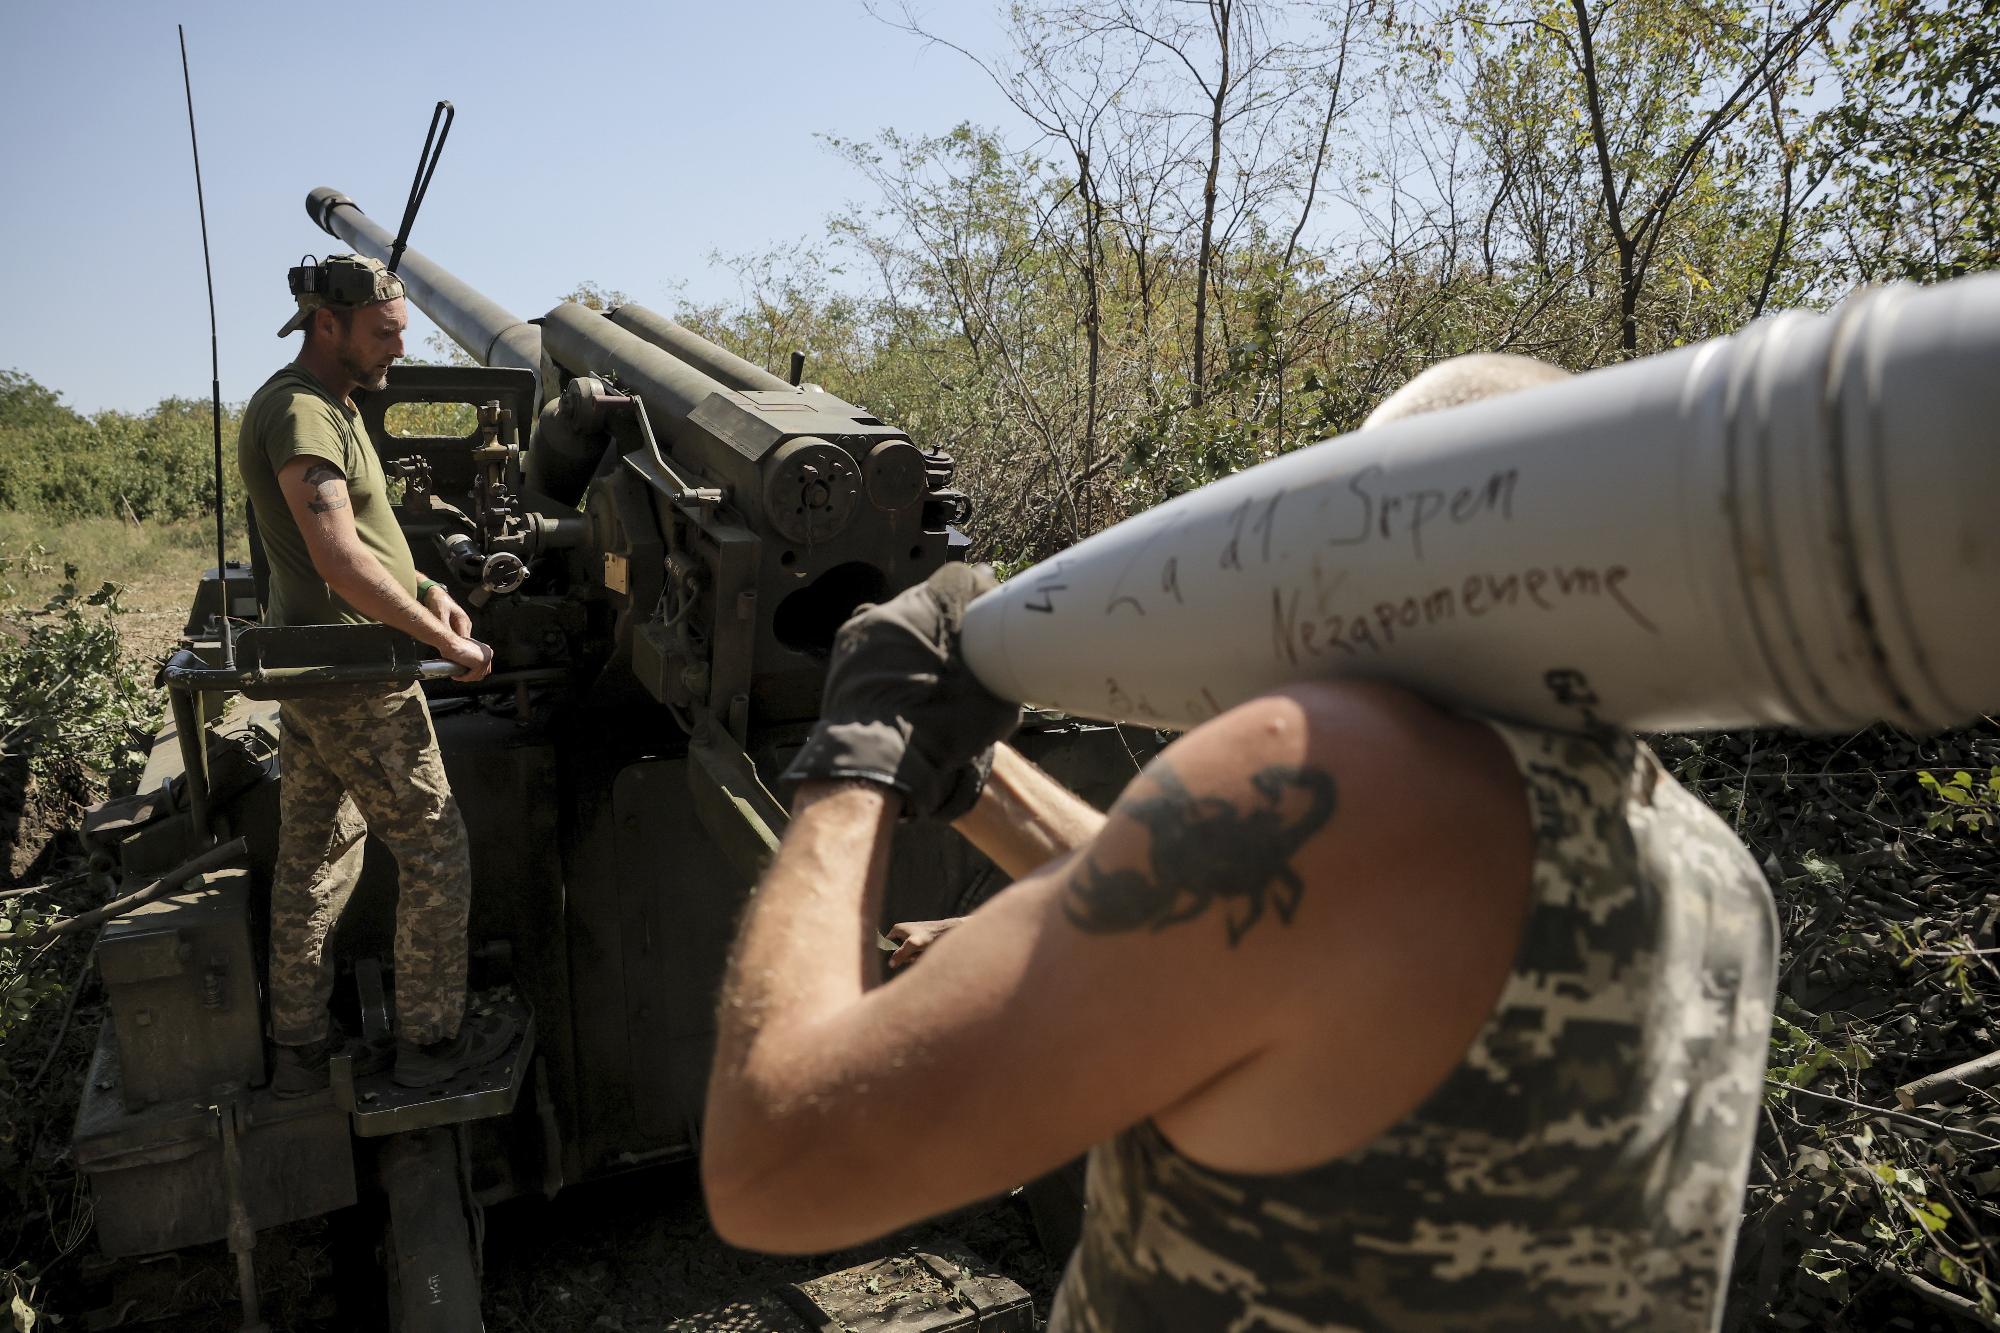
(503, 572)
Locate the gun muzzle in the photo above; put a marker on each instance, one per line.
(492, 334)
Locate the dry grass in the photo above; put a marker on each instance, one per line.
(155, 565)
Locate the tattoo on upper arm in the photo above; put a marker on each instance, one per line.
(1205, 849)
(326, 497)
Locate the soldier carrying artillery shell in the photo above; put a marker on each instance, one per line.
(1372, 1015)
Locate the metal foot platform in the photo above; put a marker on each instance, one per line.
(380, 1106)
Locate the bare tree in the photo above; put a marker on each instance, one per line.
(1066, 81)
(1635, 211)
(1237, 77)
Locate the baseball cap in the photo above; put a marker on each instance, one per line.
(346, 281)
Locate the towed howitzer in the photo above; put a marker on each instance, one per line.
(785, 506)
(659, 540)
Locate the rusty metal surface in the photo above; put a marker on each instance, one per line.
(943, 1289)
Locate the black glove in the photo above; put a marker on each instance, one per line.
(901, 708)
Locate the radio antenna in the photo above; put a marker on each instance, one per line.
(214, 359)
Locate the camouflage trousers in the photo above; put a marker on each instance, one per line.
(349, 764)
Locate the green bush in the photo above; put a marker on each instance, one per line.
(159, 465)
(72, 709)
(69, 701)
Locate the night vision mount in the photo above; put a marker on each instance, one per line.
(342, 280)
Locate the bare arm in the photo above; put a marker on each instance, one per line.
(316, 492)
(1025, 818)
(839, 1109)
(1270, 981)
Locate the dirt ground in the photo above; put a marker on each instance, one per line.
(629, 1255)
(155, 567)
(636, 1254)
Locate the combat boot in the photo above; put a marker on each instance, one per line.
(480, 1041)
(300, 1071)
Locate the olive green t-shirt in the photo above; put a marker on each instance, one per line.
(293, 416)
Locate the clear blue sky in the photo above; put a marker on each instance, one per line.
(619, 144)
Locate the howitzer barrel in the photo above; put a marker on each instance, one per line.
(487, 330)
(718, 363)
(583, 341)
(1792, 525)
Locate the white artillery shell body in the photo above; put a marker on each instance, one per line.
(1797, 525)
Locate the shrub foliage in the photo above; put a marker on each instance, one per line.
(73, 711)
(156, 465)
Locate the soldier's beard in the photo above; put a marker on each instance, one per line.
(365, 375)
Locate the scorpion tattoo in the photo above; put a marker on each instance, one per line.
(1205, 849)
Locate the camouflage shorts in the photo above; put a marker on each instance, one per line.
(351, 764)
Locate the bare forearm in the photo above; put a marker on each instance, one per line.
(803, 941)
(806, 949)
(1025, 818)
(358, 579)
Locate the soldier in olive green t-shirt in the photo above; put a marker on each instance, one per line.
(291, 417)
(365, 759)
